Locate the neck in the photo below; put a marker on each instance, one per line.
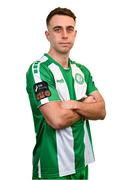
(59, 57)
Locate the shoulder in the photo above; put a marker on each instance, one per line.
(36, 65)
(82, 67)
(43, 61)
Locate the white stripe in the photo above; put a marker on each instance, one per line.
(37, 77)
(43, 59)
(60, 86)
(64, 137)
(88, 147)
(65, 145)
(39, 169)
(80, 89)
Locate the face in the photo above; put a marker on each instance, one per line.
(61, 33)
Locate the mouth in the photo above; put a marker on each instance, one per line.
(64, 43)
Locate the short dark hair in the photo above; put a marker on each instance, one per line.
(60, 11)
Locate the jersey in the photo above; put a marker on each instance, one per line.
(60, 152)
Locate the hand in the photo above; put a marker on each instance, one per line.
(89, 99)
(72, 104)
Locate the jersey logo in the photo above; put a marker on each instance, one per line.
(60, 81)
(41, 90)
(79, 79)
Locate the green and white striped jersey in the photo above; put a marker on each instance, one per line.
(59, 152)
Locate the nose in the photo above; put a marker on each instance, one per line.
(64, 34)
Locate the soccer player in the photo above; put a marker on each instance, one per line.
(63, 97)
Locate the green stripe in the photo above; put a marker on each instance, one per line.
(48, 153)
(78, 133)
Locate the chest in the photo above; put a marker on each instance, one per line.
(70, 83)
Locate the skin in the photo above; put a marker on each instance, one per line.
(61, 35)
(92, 107)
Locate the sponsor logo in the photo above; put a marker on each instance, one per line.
(41, 90)
(60, 81)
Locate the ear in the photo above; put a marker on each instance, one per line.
(75, 33)
(47, 35)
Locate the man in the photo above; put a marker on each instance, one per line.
(63, 97)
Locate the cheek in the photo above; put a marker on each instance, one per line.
(74, 35)
(54, 39)
(51, 37)
(73, 38)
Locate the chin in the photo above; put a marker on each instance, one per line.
(64, 51)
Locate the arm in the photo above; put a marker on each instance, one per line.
(92, 108)
(57, 116)
(44, 95)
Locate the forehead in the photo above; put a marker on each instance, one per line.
(61, 20)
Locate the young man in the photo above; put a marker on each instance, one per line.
(63, 97)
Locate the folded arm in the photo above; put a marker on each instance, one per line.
(93, 107)
(57, 116)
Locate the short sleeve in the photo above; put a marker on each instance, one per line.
(89, 80)
(40, 85)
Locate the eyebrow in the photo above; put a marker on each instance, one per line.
(62, 26)
(57, 27)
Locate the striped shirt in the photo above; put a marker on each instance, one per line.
(59, 152)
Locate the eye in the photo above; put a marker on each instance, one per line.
(57, 30)
(70, 29)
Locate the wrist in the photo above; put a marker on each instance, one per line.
(76, 105)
